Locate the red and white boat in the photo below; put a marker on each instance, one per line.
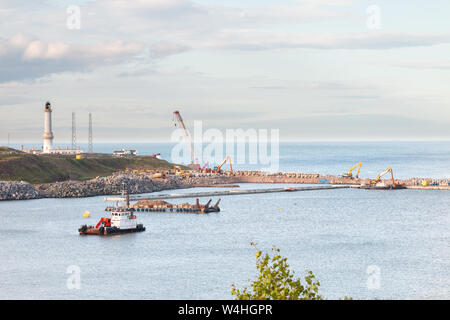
(122, 220)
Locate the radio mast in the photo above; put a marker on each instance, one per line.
(90, 147)
(74, 132)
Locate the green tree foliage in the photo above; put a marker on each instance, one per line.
(276, 281)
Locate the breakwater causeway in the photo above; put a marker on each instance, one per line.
(143, 183)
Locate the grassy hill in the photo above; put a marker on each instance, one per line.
(16, 165)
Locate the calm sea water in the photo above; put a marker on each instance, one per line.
(338, 234)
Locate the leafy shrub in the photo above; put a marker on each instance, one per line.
(276, 281)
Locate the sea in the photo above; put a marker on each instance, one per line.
(363, 244)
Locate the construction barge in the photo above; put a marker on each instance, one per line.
(163, 206)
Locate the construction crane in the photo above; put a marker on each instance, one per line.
(349, 174)
(217, 169)
(177, 115)
(388, 170)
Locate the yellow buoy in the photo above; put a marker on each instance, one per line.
(86, 214)
(424, 183)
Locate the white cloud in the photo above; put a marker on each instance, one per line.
(138, 73)
(435, 65)
(133, 37)
(24, 57)
(328, 2)
(247, 39)
(164, 49)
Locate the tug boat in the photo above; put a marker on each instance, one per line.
(122, 221)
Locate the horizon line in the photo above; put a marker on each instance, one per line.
(5, 143)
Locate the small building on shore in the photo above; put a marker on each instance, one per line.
(124, 152)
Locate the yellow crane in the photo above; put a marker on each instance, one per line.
(349, 174)
(388, 170)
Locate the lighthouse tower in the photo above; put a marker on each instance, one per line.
(48, 134)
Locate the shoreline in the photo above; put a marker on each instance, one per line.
(137, 183)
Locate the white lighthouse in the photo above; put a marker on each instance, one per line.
(48, 134)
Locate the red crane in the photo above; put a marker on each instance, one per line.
(105, 222)
(188, 137)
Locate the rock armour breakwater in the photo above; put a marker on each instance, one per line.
(113, 184)
(110, 185)
(17, 190)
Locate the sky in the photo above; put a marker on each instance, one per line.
(314, 69)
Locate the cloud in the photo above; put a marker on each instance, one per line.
(392, 127)
(164, 49)
(142, 72)
(176, 26)
(201, 14)
(328, 2)
(181, 25)
(246, 39)
(314, 85)
(435, 65)
(24, 57)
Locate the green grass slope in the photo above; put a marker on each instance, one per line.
(16, 165)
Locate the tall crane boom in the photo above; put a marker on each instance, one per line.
(187, 135)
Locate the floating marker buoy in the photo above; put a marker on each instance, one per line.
(86, 214)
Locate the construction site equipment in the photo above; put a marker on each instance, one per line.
(178, 170)
(158, 175)
(218, 168)
(163, 206)
(349, 174)
(106, 222)
(378, 178)
(394, 185)
(204, 169)
(178, 117)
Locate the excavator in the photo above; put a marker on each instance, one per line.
(218, 168)
(349, 174)
(394, 185)
(388, 170)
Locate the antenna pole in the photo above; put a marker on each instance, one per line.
(91, 147)
(74, 132)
